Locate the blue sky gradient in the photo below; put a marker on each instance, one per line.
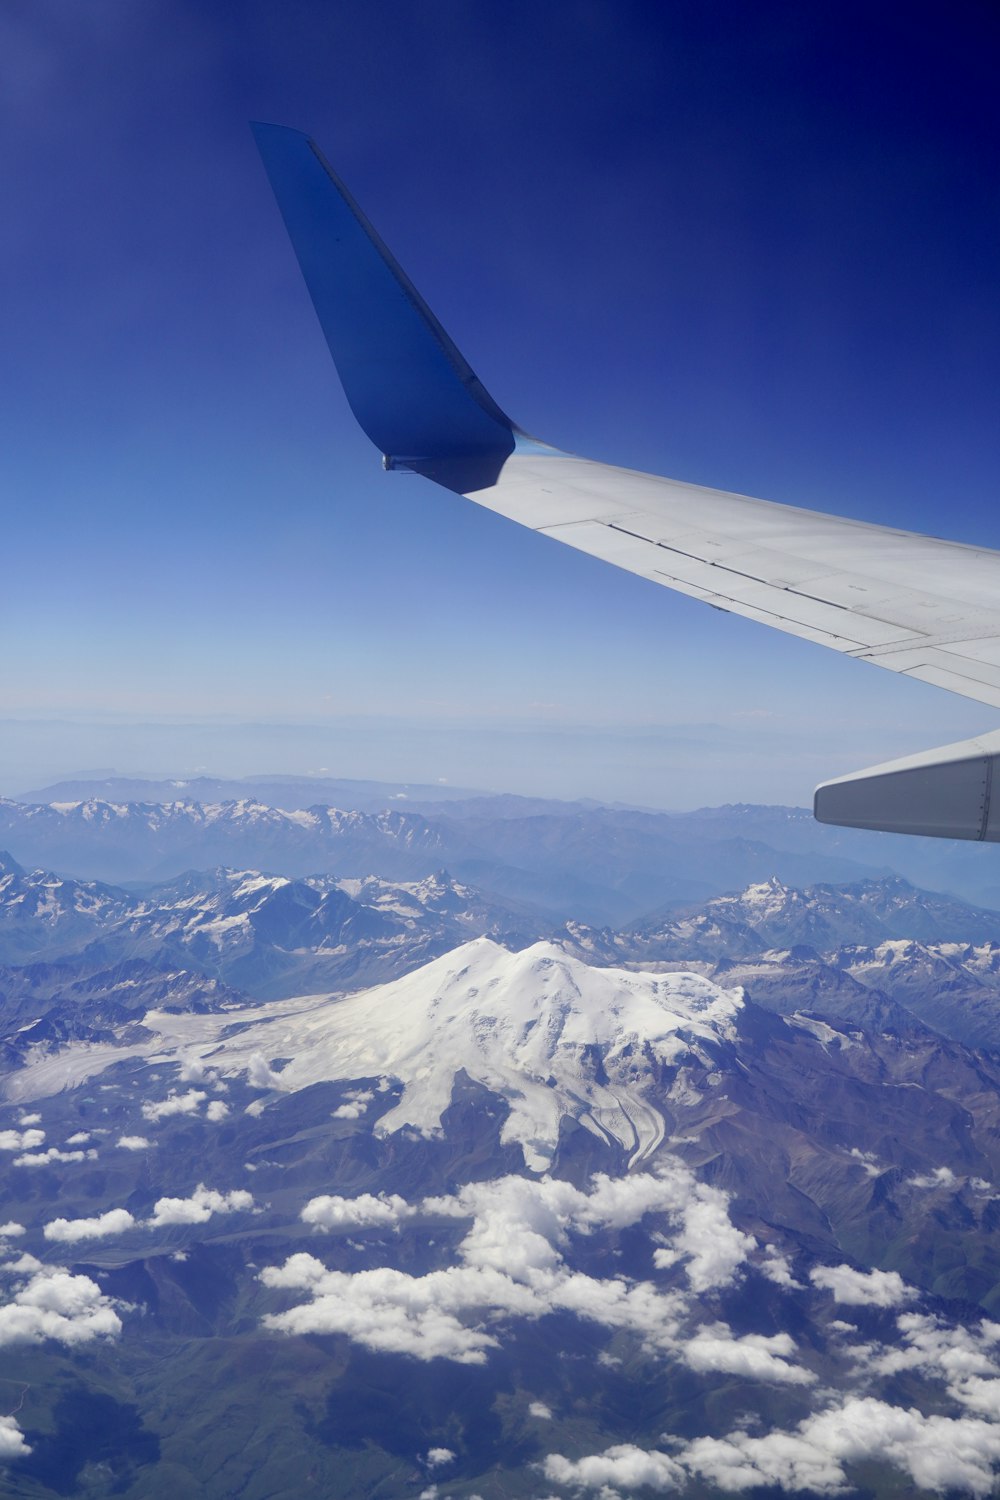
(749, 246)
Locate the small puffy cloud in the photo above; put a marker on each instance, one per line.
(706, 1239)
(260, 1074)
(192, 1070)
(941, 1177)
(115, 1221)
(965, 1358)
(21, 1140)
(301, 1272)
(776, 1268)
(43, 1158)
(33, 1119)
(938, 1453)
(390, 1312)
(355, 1105)
(173, 1104)
(79, 1139)
(365, 1212)
(217, 1110)
(12, 1443)
(741, 1462)
(755, 1356)
(624, 1465)
(22, 1265)
(202, 1204)
(54, 1304)
(437, 1457)
(863, 1288)
(715, 1247)
(11, 1229)
(133, 1143)
(541, 1411)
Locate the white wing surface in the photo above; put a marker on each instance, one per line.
(917, 605)
(920, 606)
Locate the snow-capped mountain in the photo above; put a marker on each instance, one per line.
(596, 865)
(770, 914)
(267, 934)
(505, 1221)
(501, 1209)
(142, 841)
(554, 1039)
(42, 913)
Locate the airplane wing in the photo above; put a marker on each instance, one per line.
(918, 605)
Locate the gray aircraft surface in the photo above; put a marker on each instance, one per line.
(918, 605)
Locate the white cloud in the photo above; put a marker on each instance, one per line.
(437, 1457)
(391, 1312)
(29, 1119)
(938, 1453)
(940, 1177)
(541, 1411)
(79, 1139)
(776, 1268)
(53, 1304)
(22, 1265)
(217, 1110)
(42, 1158)
(357, 1102)
(202, 1204)
(512, 1264)
(260, 1074)
(624, 1464)
(755, 1356)
(10, 1229)
(115, 1221)
(364, 1212)
(174, 1104)
(20, 1140)
(966, 1359)
(12, 1443)
(741, 1462)
(717, 1249)
(192, 1070)
(862, 1288)
(134, 1143)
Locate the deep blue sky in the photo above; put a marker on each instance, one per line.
(753, 246)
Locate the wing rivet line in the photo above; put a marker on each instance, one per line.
(987, 793)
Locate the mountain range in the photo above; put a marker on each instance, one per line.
(507, 1223)
(582, 860)
(320, 1180)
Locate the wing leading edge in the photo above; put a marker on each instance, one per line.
(917, 605)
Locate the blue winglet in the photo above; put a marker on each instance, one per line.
(409, 387)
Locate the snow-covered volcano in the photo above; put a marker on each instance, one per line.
(549, 1034)
(552, 1036)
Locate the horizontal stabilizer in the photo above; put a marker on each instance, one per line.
(409, 387)
(946, 793)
